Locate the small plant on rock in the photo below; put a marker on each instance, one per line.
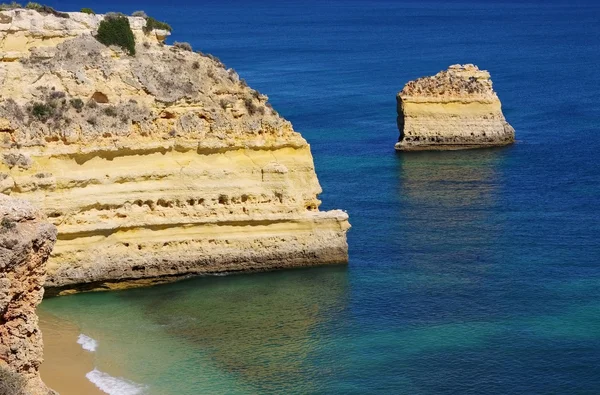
(110, 111)
(77, 104)
(183, 45)
(87, 11)
(44, 9)
(10, 6)
(152, 24)
(251, 107)
(33, 6)
(41, 111)
(7, 224)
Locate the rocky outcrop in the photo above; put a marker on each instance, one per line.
(158, 165)
(23, 31)
(454, 109)
(26, 240)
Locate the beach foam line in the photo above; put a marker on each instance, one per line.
(87, 343)
(113, 385)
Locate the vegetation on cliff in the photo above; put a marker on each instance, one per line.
(115, 30)
(42, 9)
(167, 141)
(152, 24)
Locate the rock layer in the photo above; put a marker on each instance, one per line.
(26, 240)
(454, 109)
(155, 165)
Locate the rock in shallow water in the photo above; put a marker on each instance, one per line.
(454, 109)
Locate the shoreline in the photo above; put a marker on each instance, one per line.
(66, 363)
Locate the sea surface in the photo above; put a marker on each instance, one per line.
(474, 272)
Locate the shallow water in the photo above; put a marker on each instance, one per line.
(470, 272)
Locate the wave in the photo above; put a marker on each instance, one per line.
(87, 343)
(113, 385)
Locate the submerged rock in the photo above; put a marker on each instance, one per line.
(26, 240)
(454, 109)
(153, 166)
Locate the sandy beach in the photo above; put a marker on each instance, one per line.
(65, 362)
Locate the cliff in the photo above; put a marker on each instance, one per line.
(454, 109)
(152, 166)
(26, 240)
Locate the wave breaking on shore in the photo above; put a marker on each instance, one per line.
(104, 381)
(87, 343)
(113, 385)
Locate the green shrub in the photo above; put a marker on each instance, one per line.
(33, 6)
(10, 383)
(110, 111)
(41, 111)
(152, 24)
(7, 224)
(115, 30)
(87, 11)
(140, 14)
(77, 103)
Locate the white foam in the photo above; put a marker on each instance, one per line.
(87, 343)
(113, 385)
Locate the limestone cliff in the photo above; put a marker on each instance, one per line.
(154, 165)
(454, 109)
(26, 240)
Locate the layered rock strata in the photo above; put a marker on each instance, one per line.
(454, 109)
(26, 240)
(155, 165)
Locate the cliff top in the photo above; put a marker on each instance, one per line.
(458, 83)
(62, 86)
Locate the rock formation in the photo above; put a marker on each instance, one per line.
(26, 240)
(157, 165)
(454, 109)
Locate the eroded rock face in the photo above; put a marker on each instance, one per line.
(454, 109)
(26, 240)
(155, 165)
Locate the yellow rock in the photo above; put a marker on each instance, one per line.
(454, 109)
(156, 166)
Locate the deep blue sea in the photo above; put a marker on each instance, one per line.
(471, 272)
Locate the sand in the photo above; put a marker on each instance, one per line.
(65, 362)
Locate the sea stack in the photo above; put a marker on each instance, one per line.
(454, 109)
(26, 239)
(155, 162)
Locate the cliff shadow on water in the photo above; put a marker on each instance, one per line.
(238, 334)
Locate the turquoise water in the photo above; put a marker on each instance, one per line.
(470, 272)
